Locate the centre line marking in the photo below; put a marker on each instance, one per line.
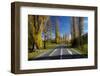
(61, 52)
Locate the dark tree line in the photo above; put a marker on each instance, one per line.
(77, 30)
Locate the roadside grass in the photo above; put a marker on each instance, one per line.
(37, 52)
(83, 49)
(51, 45)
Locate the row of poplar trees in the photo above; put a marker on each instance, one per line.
(40, 27)
(35, 28)
(77, 30)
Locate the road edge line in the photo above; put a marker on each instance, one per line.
(69, 52)
(52, 52)
(75, 51)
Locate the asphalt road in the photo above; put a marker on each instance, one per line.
(60, 52)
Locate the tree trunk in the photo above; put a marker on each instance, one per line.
(81, 29)
(38, 40)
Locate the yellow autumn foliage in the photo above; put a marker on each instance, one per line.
(36, 24)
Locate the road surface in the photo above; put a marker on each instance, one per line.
(60, 52)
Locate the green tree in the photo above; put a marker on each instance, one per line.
(57, 33)
(81, 29)
(75, 32)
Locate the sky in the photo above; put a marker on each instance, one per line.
(65, 24)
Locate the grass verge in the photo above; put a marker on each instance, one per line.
(83, 49)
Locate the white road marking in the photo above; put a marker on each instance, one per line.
(61, 52)
(69, 51)
(76, 51)
(53, 52)
(43, 53)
